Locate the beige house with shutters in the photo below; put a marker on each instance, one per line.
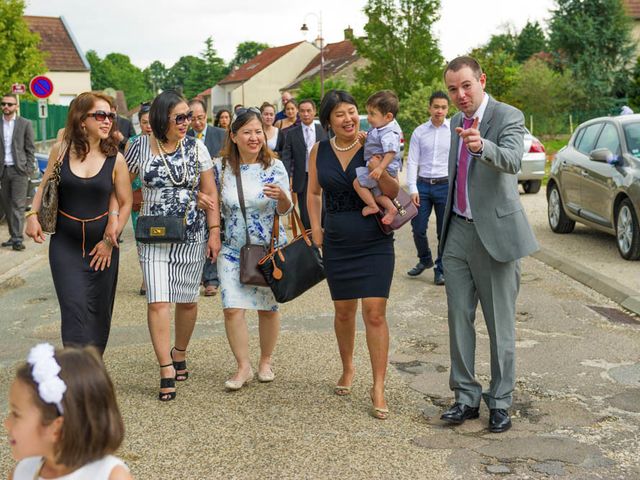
(261, 78)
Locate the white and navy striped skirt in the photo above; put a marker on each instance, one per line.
(172, 271)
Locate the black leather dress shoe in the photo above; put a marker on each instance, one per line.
(438, 278)
(18, 246)
(419, 268)
(499, 420)
(8, 243)
(460, 412)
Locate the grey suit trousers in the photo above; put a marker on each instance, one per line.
(472, 275)
(13, 193)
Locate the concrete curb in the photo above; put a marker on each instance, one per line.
(619, 293)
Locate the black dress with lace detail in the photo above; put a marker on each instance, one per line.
(358, 257)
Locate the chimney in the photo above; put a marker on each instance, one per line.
(348, 33)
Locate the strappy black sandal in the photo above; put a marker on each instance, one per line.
(182, 366)
(167, 383)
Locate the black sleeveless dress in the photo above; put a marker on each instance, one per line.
(85, 296)
(358, 257)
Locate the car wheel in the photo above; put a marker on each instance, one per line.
(532, 186)
(558, 220)
(628, 231)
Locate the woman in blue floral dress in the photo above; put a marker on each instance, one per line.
(265, 186)
(173, 169)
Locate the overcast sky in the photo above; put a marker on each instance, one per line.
(165, 30)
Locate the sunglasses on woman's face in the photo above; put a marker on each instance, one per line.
(182, 117)
(101, 115)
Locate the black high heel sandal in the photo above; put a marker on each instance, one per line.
(167, 383)
(182, 366)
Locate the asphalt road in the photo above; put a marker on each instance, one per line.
(575, 411)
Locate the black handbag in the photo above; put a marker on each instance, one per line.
(250, 253)
(294, 268)
(166, 228)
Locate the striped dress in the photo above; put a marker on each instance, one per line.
(172, 271)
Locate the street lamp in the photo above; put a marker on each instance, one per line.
(304, 29)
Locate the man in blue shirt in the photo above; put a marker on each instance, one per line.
(427, 180)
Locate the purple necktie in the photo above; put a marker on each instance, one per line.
(463, 168)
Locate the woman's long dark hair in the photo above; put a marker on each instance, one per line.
(75, 135)
(330, 101)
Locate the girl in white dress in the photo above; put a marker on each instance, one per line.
(265, 184)
(64, 422)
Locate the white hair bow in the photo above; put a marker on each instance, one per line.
(45, 370)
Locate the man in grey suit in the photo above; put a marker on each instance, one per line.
(213, 138)
(485, 233)
(17, 161)
(295, 154)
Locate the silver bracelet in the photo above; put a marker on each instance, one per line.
(114, 212)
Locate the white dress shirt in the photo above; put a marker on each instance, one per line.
(479, 114)
(428, 153)
(309, 135)
(7, 131)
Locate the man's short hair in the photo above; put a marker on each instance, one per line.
(438, 94)
(464, 61)
(307, 100)
(10, 95)
(193, 101)
(385, 101)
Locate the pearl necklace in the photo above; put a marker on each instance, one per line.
(166, 164)
(343, 149)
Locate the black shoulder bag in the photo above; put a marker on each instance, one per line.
(166, 228)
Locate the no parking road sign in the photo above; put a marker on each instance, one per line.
(41, 86)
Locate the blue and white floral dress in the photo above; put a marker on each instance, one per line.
(172, 271)
(260, 214)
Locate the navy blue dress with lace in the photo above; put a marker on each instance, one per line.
(358, 257)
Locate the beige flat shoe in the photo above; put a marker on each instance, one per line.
(233, 385)
(342, 390)
(266, 377)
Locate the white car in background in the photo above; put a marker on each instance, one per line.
(532, 167)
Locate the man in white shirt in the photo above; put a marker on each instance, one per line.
(428, 182)
(17, 162)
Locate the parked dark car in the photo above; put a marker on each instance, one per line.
(595, 180)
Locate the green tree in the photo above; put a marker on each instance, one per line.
(245, 51)
(189, 75)
(541, 93)
(20, 57)
(116, 71)
(399, 45)
(215, 66)
(155, 75)
(310, 88)
(501, 69)
(530, 40)
(506, 41)
(592, 39)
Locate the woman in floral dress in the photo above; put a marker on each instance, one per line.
(265, 189)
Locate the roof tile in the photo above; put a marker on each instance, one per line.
(56, 40)
(633, 8)
(258, 63)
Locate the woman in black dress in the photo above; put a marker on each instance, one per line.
(94, 202)
(358, 257)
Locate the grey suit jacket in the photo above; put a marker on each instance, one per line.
(23, 148)
(294, 155)
(213, 139)
(494, 199)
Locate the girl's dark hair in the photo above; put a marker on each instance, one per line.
(92, 425)
(330, 101)
(230, 152)
(216, 120)
(144, 109)
(267, 105)
(76, 137)
(291, 100)
(160, 110)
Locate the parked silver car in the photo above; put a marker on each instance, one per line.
(532, 167)
(595, 180)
